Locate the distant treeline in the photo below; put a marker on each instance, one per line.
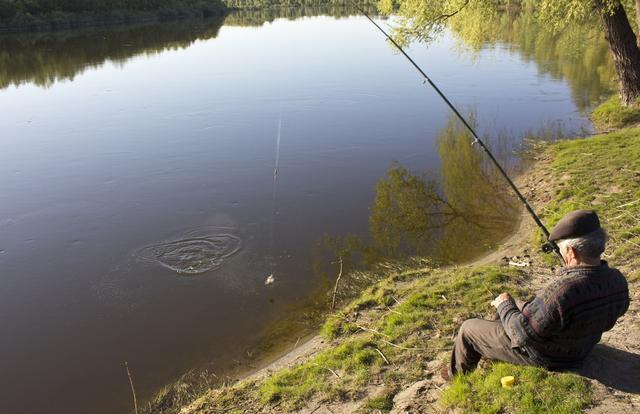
(245, 4)
(18, 15)
(257, 15)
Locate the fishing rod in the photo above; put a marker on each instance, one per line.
(553, 246)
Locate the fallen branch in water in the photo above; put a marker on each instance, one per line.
(335, 289)
(133, 390)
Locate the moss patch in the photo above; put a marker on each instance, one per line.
(612, 115)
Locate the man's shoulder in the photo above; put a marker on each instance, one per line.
(580, 280)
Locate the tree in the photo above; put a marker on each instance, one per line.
(579, 53)
(423, 19)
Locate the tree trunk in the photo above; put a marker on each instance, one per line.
(624, 49)
(638, 19)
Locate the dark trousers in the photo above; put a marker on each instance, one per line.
(479, 338)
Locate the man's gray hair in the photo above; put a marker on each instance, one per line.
(590, 245)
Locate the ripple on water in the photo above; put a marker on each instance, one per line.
(194, 254)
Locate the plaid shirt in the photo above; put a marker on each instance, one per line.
(563, 323)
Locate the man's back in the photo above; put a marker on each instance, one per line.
(567, 318)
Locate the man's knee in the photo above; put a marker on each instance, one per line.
(468, 327)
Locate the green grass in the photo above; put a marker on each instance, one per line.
(422, 322)
(536, 391)
(612, 115)
(383, 403)
(601, 173)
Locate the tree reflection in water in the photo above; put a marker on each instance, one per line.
(49, 57)
(450, 217)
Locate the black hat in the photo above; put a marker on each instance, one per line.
(575, 224)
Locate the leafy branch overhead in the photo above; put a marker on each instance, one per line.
(424, 20)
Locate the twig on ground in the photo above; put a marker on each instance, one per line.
(631, 242)
(297, 342)
(133, 390)
(335, 289)
(629, 203)
(372, 331)
(383, 357)
(393, 311)
(333, 372)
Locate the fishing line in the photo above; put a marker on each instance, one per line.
(274, 196)
(476, 140)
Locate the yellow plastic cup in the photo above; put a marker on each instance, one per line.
(508, 382)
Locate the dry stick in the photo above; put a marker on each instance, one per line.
(333, 372)
(297, 342)
(371, 330)
(408, 349)
(629, 204)
(316, 409)
(631, 242)
(383, 357)
(393, 311)
(335, 289)
(133, 390)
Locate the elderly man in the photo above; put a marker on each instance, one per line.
(562, 324)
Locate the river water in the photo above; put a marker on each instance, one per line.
(140, 213)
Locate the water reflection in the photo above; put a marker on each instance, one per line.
(46, 58)
(260, 16)
(453, 216)
(579, 53)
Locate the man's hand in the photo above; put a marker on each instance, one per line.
(502, 298)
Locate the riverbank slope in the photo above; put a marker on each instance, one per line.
(383, 351)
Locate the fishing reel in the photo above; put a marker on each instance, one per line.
(548, 247)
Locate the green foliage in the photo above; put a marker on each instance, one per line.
(8, 9)
(579, 53)
(46, 58)
(612, 114)
(254, 4)
(406, 210)
(35, 7)
(20, 15)
(536, 391)
(423, 19)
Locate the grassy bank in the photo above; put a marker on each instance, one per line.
(395, 332)
(40, 15)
